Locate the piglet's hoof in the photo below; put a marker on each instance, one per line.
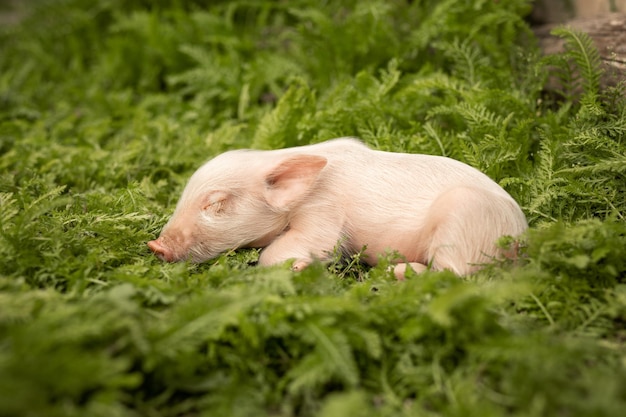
(299, 265)
(399, 270)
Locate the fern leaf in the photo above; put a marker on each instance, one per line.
(278, 128)
(9, 208)
(466, 58)
(579, 46)
(331, 358)
(389, 78)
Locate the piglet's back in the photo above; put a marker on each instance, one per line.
(398, 177)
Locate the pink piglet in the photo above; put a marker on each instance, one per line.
(299, 203)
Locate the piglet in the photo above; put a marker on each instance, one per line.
(299, 203)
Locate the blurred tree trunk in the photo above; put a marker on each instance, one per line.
(560, 11)
(609, 35)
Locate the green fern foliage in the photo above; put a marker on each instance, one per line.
(580, 48)
(108, 106)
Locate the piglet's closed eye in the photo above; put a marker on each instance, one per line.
(215, 201)
(288, 183)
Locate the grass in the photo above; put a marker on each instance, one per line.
(107, 107)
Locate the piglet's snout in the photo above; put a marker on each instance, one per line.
(161, 250)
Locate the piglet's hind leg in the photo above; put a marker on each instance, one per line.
(464, 224)
(400, 269)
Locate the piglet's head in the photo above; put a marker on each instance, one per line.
(238, 199)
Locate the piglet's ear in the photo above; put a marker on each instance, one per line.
(289, 182)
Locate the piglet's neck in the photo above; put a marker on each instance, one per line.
(269, 237)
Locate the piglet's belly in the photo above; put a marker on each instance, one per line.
(408, 245)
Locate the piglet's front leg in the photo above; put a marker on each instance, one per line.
(292, 187)
(283, 250)
(303, 246)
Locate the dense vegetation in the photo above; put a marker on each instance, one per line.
(107, 107)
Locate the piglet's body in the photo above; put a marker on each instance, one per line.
(300, 203)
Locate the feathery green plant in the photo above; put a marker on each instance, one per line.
(107, 107)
